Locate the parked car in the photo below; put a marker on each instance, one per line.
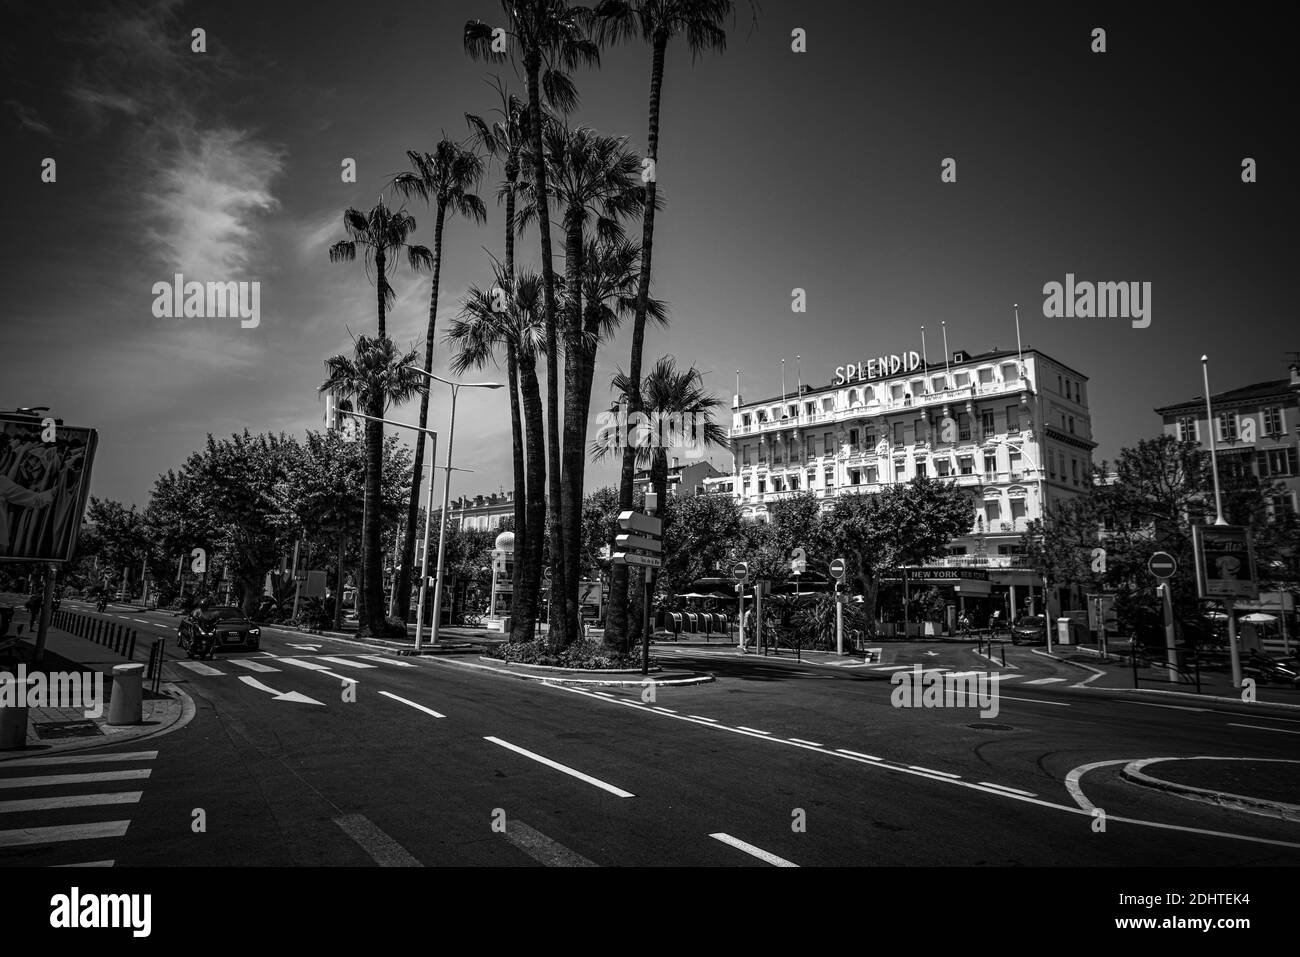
(227, 626)
(1028, 630)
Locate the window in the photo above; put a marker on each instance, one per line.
(1074, 470)
(1010, 549)
(869, 439)
(855, 476)
(1278, 462)
(745, 457)
(1051, 464)
(961, 380)
(956, 550)
(778, 484)
(1017, 508)
(987, 423)
(810, 407)
(1072, 425)
(1282, 503)
(1062, 421)
(853, 439)
(1013, 418)
(917, 387)
(966, 464)
(828, 443)
(993, 509)
(920, 468)
(1272, 419)
(1010, 373)
(776, 454)
(762, 486)
(812, 445)
(761, 415)
(898, 433)
(943, 467)
(938, 384)
(828, 478)
(986, 376)
(1227, 426)
(990, 464)
(1015, 461)
(744, 420)
(1059, 389)
(744, 485)
(963, 426)
(794, 482)
(1187, 431)
(873, 475)
(920, 431)
(896, 391)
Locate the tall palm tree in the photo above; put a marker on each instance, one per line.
(552, 38)
(594, 182)
(382, 235)
(667, 394)
(376, 376)
(482, 327)
(655, 22)
(505, 139)
(444, 179)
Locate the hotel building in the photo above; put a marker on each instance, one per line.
(1011, 429)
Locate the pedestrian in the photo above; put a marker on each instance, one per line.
(747, 629)
(33, 605)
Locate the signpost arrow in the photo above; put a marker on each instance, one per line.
(631, 521)
(279, 696)
(638, 542)
(632, 558)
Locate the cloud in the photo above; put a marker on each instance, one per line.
(28, 118)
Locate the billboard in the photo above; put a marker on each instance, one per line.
(1225, 562)
(44, 484)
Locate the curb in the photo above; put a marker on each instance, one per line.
(1193, 696)
(1096, 672)
(586, 682)
(596, 671)
(1132, 773)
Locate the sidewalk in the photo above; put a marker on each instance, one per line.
(51, 730)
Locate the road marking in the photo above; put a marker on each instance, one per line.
(702, 718)
(542, 849)
(387, 661)
(304, 663)
(140, 620)
(605, 694)
(343, 678)
(890, 667)
(70, 800)
(63, 832)
(250, 665)
(942, 774)
(278, 696)
(199, 668)
(87, 864)
(758, 852)
(1171, 707)
(964, 674)
(417, 707)
(350, 663)
(1260, 727)
(812, 743)
(754, 730)
(1045, 681)
(859, 754)
(82, 759)
(560, 767)
(1003, 787)
(1003, 676)
(666, 710)
(51, 780)
(304, 647)
(1054, 704)
(383, 849)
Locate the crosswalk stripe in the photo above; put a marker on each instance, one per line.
(63, 832)
(250, 664)
(1045, 681)
(748, 848)
(82, 759)
(351, 663)
(199, 668)
(70, 800)
(542, 849)
(387, 661)
(51, 780)
(303, 663)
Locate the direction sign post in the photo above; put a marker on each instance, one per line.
(1162, 565)
(641, 544)
(740, 572)
(1225, 569)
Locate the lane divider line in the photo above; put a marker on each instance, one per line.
(417, 707)
(572, 772)
(750, 849)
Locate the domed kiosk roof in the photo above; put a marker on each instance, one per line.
(505, 542)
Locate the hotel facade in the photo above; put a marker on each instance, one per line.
(1011, 429)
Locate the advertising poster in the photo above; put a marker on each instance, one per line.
(44, 484)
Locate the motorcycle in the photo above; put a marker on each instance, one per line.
(200, 643)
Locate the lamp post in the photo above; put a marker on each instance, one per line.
(428, 512)
(1214, 455)
(446, 490)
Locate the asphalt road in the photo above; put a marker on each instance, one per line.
(308, 752)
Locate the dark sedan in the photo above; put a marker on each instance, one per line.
(229, 626)
(1028, 630)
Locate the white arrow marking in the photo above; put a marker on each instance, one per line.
(932, 654)
(278, 696)
(304, 647)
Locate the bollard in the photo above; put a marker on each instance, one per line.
(13, 717)
(124, 707)
(130, 646)
(117, 639)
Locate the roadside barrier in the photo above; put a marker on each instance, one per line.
(99, 630)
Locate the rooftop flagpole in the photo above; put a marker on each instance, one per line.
(926, 359)
(1019, 352)
(944, 323)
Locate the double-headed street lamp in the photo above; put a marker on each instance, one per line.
(446, 490)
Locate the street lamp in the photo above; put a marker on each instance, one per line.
(428, 512)
(446, 490)
(1214, 457)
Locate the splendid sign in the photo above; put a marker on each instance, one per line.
(877, 368)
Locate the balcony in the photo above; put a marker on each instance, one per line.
(983, 561)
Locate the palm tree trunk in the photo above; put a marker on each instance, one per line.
(526, 607)
(516, 427)
(381, 265)
(658, 482)
(532, 63)
(575, 425)
(403, 585)
(617, 613)
(373, 559)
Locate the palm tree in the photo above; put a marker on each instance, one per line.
(668, 395)
(654, 22)
(482, 327)
(445, 179)
(552, 39)
(376, 376)
(594, 182)
(506, 139)
(382, 235)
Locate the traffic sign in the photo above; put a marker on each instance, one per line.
(1162, 565)
(632, 558)
(638, 543)
(740, 571)
(631, 521)
(838, 569)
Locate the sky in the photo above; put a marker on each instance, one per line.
(818, 170)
